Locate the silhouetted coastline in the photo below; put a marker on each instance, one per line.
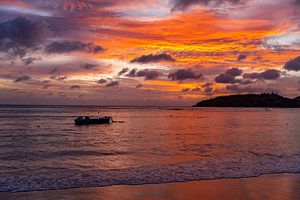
(251, 100)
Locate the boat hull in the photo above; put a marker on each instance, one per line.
(80, 122)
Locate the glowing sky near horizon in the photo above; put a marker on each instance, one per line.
(146, 52)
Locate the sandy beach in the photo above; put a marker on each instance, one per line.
(276, 186)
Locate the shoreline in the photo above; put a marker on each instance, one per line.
(271, 186)
(156, 183)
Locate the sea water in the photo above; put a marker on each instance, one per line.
(42, 149)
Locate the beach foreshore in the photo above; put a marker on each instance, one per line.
(274, 186)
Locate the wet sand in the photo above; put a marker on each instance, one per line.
(276, 186)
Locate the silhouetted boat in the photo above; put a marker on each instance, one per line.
(87, 120)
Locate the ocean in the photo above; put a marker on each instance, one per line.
(42, 149)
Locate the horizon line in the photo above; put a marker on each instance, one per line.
(92, 105)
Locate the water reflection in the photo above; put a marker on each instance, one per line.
(43, 140)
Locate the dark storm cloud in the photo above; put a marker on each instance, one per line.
(270, 74)
(182, 4)
(153, 58)
(22, 78)
(196, 89)
(234, 72)
(131, 73)
(146, 73)
(123, 71)
(185, 90)
(242, 57)
(112, 84)
(19, 35)
(246, 81)
(229, 76)
(72, 46)
(73, 87)
(293, 65)
(207, 87)
(89, 66)
(101, 81)
(225, 78)
(183, 74)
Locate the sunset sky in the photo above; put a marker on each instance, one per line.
(146, 52)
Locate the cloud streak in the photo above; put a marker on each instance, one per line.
(74, 87)
(146, 73)
(72, 46)
(22, 78)
(153, 58)
(112, 84)
(184, 74)
(270, 74)
(89, 66)
(183, 4)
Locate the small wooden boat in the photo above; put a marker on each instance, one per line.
(86, 120)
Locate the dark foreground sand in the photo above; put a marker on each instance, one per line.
(277, 186)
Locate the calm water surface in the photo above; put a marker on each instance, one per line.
(41, 148)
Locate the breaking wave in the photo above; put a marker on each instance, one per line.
(197, 170)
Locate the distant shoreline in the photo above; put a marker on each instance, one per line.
(251, 101)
